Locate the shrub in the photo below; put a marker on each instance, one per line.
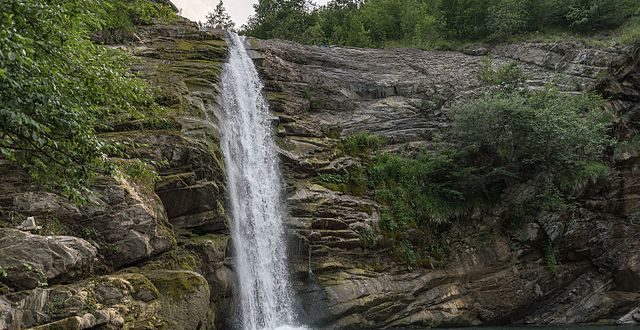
(508, 77)
(353, 182)
(362, 143)
(543, 135)
(549, 141)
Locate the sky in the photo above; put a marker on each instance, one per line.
(239, 10)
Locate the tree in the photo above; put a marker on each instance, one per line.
(285, 19)
(56, 86)
(220, 19)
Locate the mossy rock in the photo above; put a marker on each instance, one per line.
(219, 240)
(143, 289)
(177, 284)
(184, 298)
(183, 49)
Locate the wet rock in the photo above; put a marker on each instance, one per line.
(627, 274)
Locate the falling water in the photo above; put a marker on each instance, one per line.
(254, 192)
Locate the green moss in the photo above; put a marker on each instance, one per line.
(53, 226)
(188, 262)
(176, 285)
(332, 132)
(141, 283)
(209, 70)
(219, 240)
(353, 182)
(190, 50)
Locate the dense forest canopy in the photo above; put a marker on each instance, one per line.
(431, 23)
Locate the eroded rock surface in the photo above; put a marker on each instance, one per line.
(321, 95)
(137, 255)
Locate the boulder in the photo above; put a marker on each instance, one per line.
(29, 260)
(128, 221)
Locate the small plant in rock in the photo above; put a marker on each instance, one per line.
(139, 171)
(360, 144)
(367, 238)
(406, 253)
(550, 257)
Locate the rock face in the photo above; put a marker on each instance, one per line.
(491, 275)
(32, 260)
(137, 255)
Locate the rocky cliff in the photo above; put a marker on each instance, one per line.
(137, 256)
(157, 256)
(490, 274)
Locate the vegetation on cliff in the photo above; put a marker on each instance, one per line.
(544, 143)
(436, 23)
(56, 86)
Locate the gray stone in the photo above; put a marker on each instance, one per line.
(29, 225)
(32, 260)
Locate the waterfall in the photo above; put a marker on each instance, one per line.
(254, 185)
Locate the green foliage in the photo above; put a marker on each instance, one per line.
(405, 252)
(286, 19)
(139, 171)
(362, 143)
(596, 14)
(219, 19)
(544, 136)
(508, 77)
(353, 182)
(506, 18)
(428, 190)
(550, 256)
(629, 148)
(126, 14)
(56, 86)
(367, 239)
(464, 19)
(545, 140)
(117, 19)
(431, 23)
(331, 178)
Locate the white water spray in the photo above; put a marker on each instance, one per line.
(254, 184)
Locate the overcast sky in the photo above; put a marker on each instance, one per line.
(239, 10)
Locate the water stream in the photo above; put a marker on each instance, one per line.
(254, 185)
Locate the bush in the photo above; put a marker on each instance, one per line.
(508, 77)
(549, 141)
(353, 182)
(543, 135)
(362, 143)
